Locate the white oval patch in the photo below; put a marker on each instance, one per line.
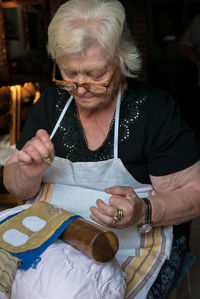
(34, 223)
(15, 237)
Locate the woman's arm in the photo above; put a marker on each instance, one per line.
(177, 201)
(178, 196)
(23, 171)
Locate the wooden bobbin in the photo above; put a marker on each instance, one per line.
(93, 240)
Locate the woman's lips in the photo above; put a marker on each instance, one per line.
(84, 99)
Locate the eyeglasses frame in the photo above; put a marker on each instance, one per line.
(64, 82)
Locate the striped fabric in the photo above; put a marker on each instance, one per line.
(144, 265)
(46, 192)
(146, 262)
(8, 268)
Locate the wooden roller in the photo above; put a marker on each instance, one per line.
(93, 240)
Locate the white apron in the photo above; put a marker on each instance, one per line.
(76, 187)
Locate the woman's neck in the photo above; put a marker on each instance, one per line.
(96, 123)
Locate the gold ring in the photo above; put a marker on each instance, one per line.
(118, 216)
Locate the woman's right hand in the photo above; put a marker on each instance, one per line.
(24, 169)
(31, 157)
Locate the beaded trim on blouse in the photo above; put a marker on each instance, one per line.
(71, 136)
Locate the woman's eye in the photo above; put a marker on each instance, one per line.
(97, 76)
(70, 74)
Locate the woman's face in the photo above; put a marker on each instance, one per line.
(90, 67)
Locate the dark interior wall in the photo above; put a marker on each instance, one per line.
(167, 67)
(23, 27)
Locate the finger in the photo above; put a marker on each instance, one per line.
(120, 191)
(117, 225)
(40, 146)
(24, 158)
(99, 216)
(99, 221)
(117, 202)
(36, 151)
(45, 138)
(105, 209)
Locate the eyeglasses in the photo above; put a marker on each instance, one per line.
(92, 87)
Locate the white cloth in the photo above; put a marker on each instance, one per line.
(5, 153)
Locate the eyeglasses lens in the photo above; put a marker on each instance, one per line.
(91, 88)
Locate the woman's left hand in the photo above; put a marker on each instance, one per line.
(123, 198)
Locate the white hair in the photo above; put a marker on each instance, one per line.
(77, 23)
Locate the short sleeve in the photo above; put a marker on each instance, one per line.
(171, 143)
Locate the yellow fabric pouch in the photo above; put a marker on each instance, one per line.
(27, 234)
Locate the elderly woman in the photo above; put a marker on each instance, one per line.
(123, 158)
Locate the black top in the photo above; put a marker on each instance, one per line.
(152, 137)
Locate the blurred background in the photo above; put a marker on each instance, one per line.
(25, 71)
(157, 26)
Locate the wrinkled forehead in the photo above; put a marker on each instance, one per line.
(92, 57)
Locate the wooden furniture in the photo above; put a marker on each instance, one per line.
(5, 115)
(15, 103)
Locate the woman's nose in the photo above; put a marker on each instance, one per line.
(81, 89)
